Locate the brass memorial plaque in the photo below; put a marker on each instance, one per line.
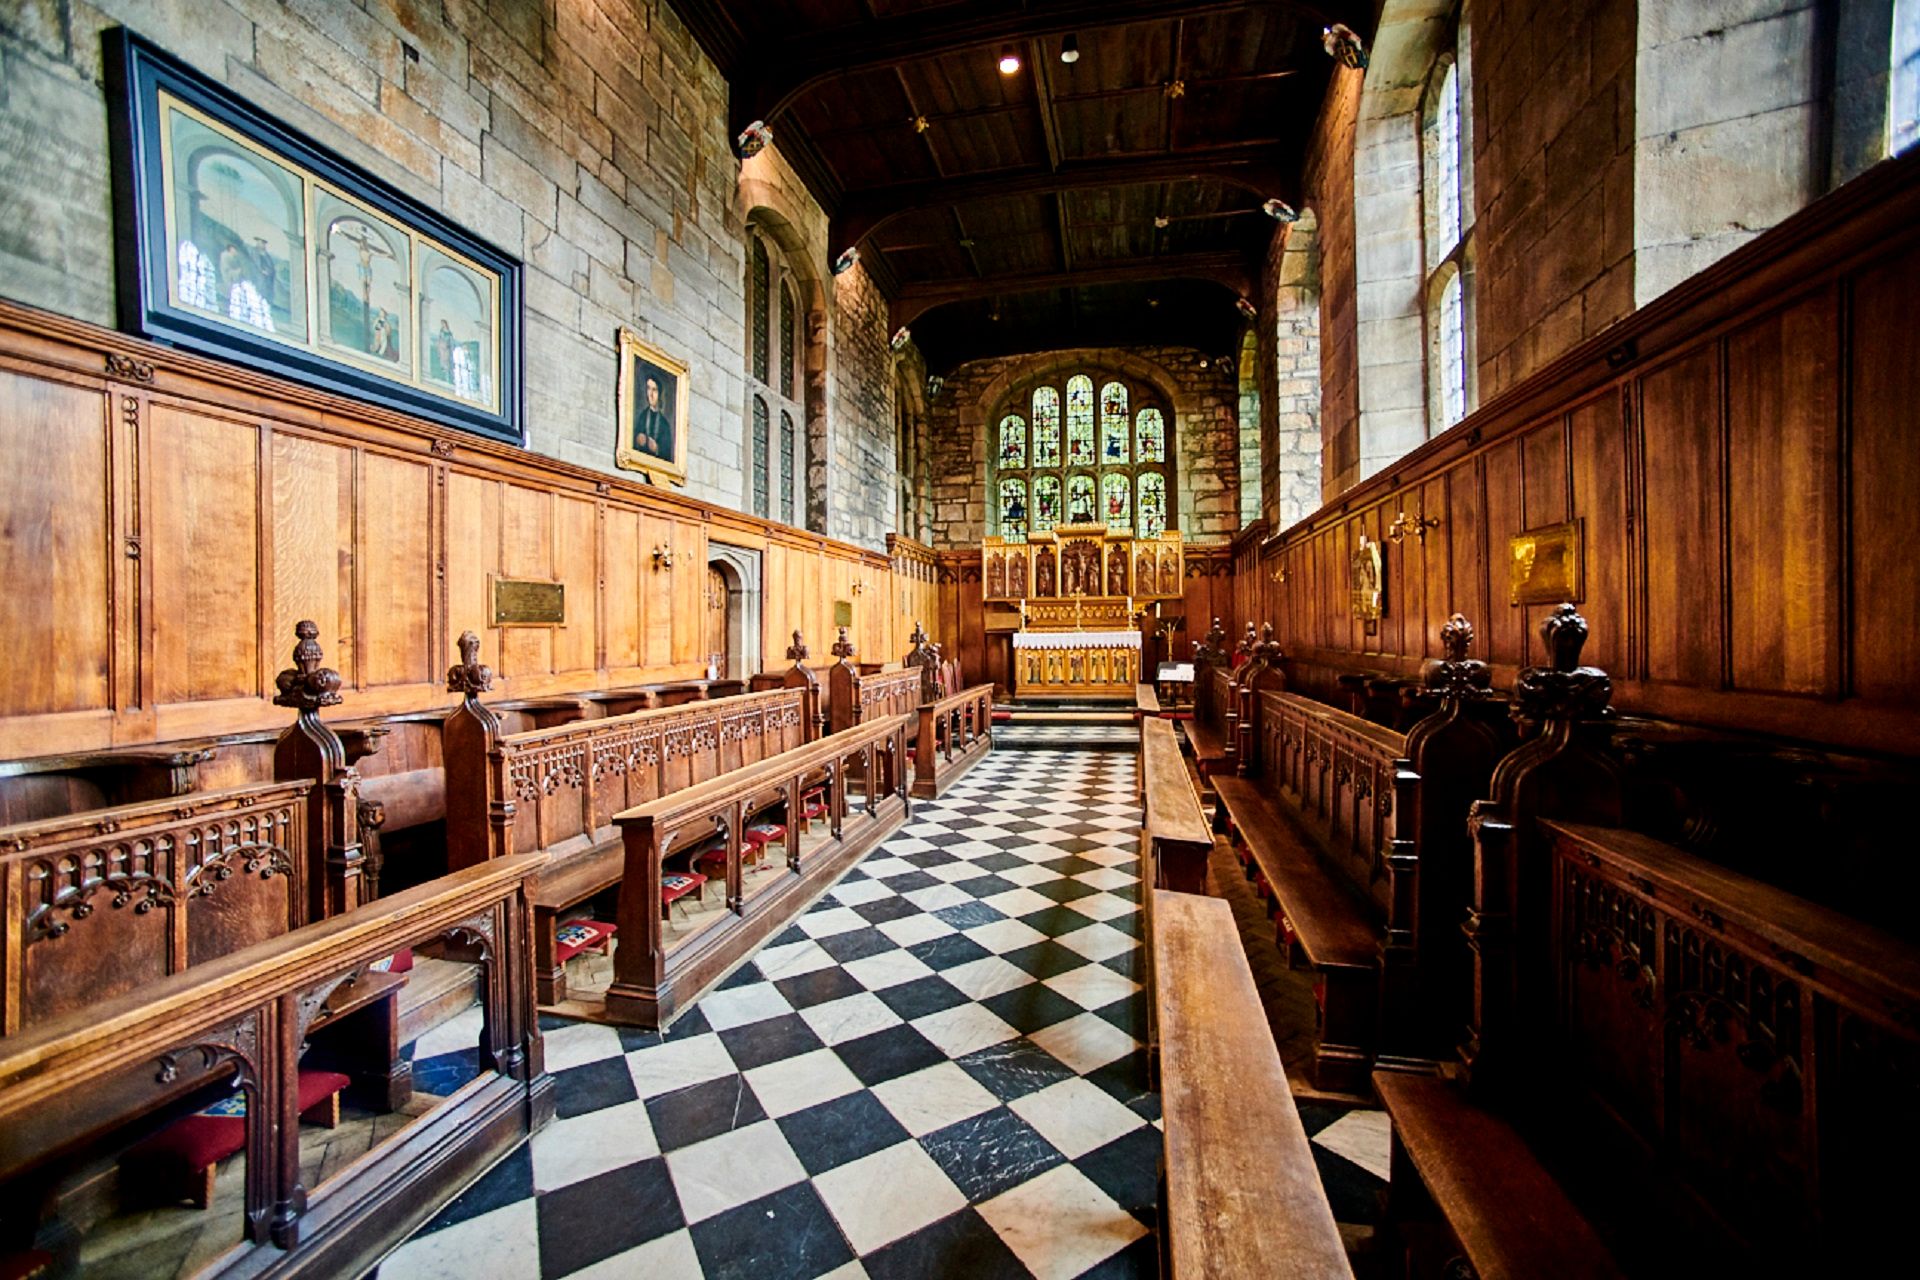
(520, 603)
(843, 613)
(1544, 565)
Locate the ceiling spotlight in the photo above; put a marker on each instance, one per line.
(1205, 363)
(1344, 46)
(753, 139)
(1280, 211)
(1009, 61)
(1070, 49)
(1153, 302)
(900, 338)
(844, 263)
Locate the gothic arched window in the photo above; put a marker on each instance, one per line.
(1115, 469)
(774, 361)
(1447, 197)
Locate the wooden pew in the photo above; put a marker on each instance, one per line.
(556, 791)
(954, 734)
(79, 1089)
(1175, 838)
(1146, 701)
(655, 977)
(856, 695)
(1242, 1194)
(1210, 730)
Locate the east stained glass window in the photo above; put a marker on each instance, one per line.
(1080, 508)
(1013, 442)
(1013, 508)
(1115, 447)
(1046, 503)
(1151, 429)
(1152, 518)
(1080, 421)
(1116, 501)
(1046, 427)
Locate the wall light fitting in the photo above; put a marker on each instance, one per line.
(753, 139)
(1070, 49)
(845, 262)
(1280, 211)
(1009, 61)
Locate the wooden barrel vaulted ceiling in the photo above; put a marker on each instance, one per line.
(1112, 200)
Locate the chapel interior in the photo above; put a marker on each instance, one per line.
(959, 638)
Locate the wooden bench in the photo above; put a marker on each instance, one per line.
(954, 734)
(1505, 1213)
(1175, 837)
(1243, 1196)
(1146, 702)
(1210, 731)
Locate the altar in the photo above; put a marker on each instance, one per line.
(1076, 664)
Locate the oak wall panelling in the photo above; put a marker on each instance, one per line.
(1740, 455)
(170, 517)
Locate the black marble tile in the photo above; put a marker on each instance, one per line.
(703, 1111)
(881, 910)
(1071, 866)
(968, 914)
(805, 990)
(791, 934)
(1125, 1078)
(591, 1087)
(441, 1074)
(1354, 1193)
(577, 1230)
(1032, 1007)
(921, 997)
(840, 1132)
(887, 1055)
(774, 1039)
(789, 1233)
(940, 839)
(909, 882)
(857, 945)
(1057, 922)
(1128, 1013)
(1000, 861)
(948, 951)
(1132, 925)
(1063, 890)
(990, 1153)
(508, 1182)
(1128, 964)
(1315, 1116)
(985, 886)
(1046, 959)
(1014, 1068)
(745, 976)
(959, 1245)
(1138, 1261)
(928, 859)
(1128, 1169)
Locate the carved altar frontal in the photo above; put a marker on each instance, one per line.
(1078, 589)
(1076, 664)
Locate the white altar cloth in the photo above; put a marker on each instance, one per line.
(1076, 639)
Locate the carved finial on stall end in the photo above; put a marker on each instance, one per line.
(1457, 675)
(919, 636)
(797, 651)
(1268, 650)
(1248, 641)
(306, 685)
(1565, 690)
(469, 676)
(842, 647)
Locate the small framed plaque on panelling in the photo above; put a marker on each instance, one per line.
(518, 602)
(1544, 565)
(843, 613)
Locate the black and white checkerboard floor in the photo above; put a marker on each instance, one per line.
(937, 1071)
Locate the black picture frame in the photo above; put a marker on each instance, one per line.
(398, 360)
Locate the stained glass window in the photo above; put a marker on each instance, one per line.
(786, 466)
(760, 287)
(788, 356)
(1453, 354)
(1153, 504)
(1115, 446)
(1151, 428)
(1046, 427)
(1080, 500)
(1903, 115)
(1080, 421)
(1046, 503)
(1013, 442)
(1116, 501)
(761, 428)
(1013, 508)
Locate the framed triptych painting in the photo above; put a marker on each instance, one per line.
(242, 238)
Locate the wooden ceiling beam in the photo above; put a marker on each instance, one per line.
(863, 212)
(772, 73)
(1229, 270)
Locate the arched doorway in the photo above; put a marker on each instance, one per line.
(731, 621)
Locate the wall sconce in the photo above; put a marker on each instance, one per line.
(662, 559)
(1404, 526)
(1280, 211)
(845, 262)
(859, 586)
(1246, 308)
(1344, 46)
(901, 337)
(1279, 575)
(753, 139)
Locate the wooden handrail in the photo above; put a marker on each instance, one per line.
(1175, 828)
(949, 726)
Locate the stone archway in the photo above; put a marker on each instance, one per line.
(737, 571)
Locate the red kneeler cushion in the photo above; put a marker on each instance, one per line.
(762, 834)
(575, 936)
(1003, 717)
(189, 1147)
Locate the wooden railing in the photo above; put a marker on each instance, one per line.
(854, 698)
(1176, 839)
(954, 732)
(71, 1084)
(108, 901)
(655, 978)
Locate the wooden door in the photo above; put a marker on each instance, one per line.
(716, 631)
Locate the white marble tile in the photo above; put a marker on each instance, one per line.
(1106, 878)
(671, 1257)
(894, 1192)
(1061, 1224)
(1020, 902)
(662, 1068)
(1003, 936)
(501, 1245)
(725, 1172)
(794, 1084)
(584, 1146)
(901, 846)
(737, 1007)
(975, 848)
(1093, 986)
(1085, 1043)
(1103, 906)
(955, 872)
(887, 969)
(986, 977)
(908, 930)
(457, 1034)
(850, 1271)
(859, 891)
(965, 1027)
(933, 1098)
(825, 924)
(1364, 1137)
(1076, 1116)
(849, 1018)
(1099, 942)
(792, 959)
(1029, 875)
(883, 867)
(579, 1043)
(936, 896)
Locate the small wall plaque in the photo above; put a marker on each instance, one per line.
(520, 603)
(1543, 565)
(843, 613)
(1368, 583)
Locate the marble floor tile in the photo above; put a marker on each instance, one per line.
(889, 1194)
(721, 1173)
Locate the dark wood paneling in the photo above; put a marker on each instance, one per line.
(1680, 423)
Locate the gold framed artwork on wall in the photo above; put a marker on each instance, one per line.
(1544, 565)
(652, 411)
(1367, 583)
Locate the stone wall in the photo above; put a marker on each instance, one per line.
(587, 138)
(1204, 392)
(1291, 454)
(1330, 194)
(862, 495)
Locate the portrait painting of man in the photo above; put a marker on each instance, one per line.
(653, 411)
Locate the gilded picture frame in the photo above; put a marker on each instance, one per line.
(1545, 565)
(652, 411)
(1368, 582)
